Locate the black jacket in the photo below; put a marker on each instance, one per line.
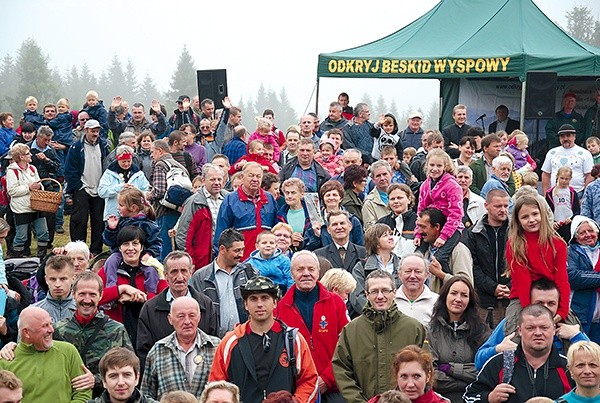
(551, 380)
(511, 126)
(489, 260)
(354, 254)
(153, 324)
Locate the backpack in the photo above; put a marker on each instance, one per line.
(179, 186)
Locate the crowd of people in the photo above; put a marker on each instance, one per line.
(335, 261)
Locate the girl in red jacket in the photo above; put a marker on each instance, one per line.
(534, 250)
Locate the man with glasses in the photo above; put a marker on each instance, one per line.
(366, 348)
(258, 355)
(79, 130)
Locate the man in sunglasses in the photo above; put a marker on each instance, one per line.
(263, 355)
(367, 345)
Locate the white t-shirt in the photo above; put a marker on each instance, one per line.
(579, 159)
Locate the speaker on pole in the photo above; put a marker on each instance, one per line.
(540, 95)
(212, 84)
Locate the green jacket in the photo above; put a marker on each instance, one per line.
(365, 351)
(47, 375)
(111, 334)
(575, 120)
(480, 177)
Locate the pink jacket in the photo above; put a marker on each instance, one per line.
(334, 165)
(446, 196)
(271, 138)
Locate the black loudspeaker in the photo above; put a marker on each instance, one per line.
(540, 95)
(212, 84)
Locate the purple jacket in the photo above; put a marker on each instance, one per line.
(446, 196)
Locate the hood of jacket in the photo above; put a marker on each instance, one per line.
(380, 320)
(577, 221)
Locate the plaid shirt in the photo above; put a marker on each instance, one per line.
(158, 179)
(308, 176)
(164, 373)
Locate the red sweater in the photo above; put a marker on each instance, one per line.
(541, 263)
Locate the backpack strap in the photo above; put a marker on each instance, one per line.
(90, 340)
(290, 341)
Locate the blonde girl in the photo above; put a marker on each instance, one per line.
(564, 202)
(441, 191)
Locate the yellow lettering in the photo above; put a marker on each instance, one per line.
(426, 67)
(375, 68)
(451, 64)
(341, 66)
(470, 63)
(385, 66)
(358, 66)
(402, 66)
(504, 61)
(411, 66)
(480, 65)
(492, 64)
(367, 65)
(394, 68)
(331, 66)
(439, 65)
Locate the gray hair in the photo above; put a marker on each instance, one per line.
(208, 167)
(125, 136)
(300, 253)
(123, 149)
(464, 169)
(501, 160)
(380, 164)
(78, 247)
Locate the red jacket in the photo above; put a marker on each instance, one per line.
(111, 294)
(253, 158)
(541, 263)
(198, 242)
(329, 318)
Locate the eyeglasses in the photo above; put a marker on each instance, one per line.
(205, 127)
(83, 119)
(283, 236)
(384, 291)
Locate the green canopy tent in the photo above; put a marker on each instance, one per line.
(474, 39)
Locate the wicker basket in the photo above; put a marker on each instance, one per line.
(43, 200)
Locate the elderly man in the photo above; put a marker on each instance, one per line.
(411, 136)
(307, 125)
(570, 154)
(361, 372)
(341, 252)
(334, 119)
(182, 360)
(430, 223)
(320, 316)
(49, 369)
(154, 324)
(236, 148)
(83, 170)
(199, 217)
(250, 209)
(138, 122)
(263, 355)
(482, 167)
(512, 377)
(357, 132)
(502, 168)
(566, 116)
(221, 280)
(305, 168)
(89, 330)
(454, 132)
(165, 216)
(473, 208)
(486, 241)
(376, 202)
(413, 297)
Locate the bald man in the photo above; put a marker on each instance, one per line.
(45, 366)
(164, 370)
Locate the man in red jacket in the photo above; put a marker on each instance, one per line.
(319, 315)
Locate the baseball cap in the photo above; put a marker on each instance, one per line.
(566, 128)
(183, 98)
(415, 114)
(259, 285)
(570, 94)
(91, 124)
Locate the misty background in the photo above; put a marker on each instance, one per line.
(144, 50)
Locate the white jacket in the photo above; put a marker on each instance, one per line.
(17, 186)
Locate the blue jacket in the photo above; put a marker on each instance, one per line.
(235, 149)
(311, 242)
(488, 349)
(63, 130)
(111, 184)
(240, 214)
(584, 284)
(589, 205)
(99, 113)
(358, 136)
(153, 243)
(277, 268)
(6, 137)
(495, 183)
(75, 162)
(35, 118)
